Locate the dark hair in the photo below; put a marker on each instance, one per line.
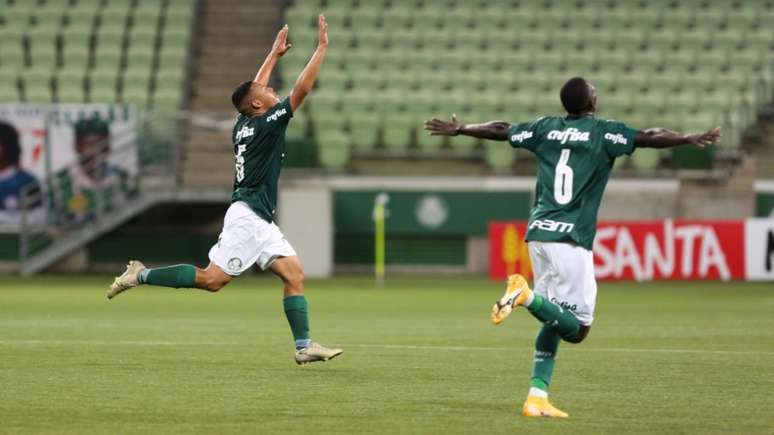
(91, 126)
(9, 140)
(239, 95)
(576, 95)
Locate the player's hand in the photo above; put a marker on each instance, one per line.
(704, 139)
(322, 31)
(438, 127)
(281, 45)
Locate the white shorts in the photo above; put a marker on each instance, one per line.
(564, 274)
(247, 239)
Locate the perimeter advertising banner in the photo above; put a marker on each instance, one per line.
(656, 250)
(80, 146)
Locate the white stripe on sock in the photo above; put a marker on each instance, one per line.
(530, 299)
(537, 392)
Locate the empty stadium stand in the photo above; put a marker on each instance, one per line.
(684, 65)
(73, 51)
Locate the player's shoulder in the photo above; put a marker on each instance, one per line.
(609, 122)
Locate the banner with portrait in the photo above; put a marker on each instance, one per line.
(72, 160)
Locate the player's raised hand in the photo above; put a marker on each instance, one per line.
(438, 127)
(281, 45)
(323, 31)
(706, 138)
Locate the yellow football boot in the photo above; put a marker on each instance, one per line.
(540, 407)
(516, 293)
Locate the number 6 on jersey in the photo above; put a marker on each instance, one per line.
(563, 179)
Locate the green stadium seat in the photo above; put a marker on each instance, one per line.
(44, 58)
(334, 153)
(148, 13)
(80, 19)
(103, 95)
(178, 18)
(167, 100)
(51, 19)
(396, 19)
(363, 130)
(646, 159)
(12, 56)
(17, 20)
(70, 95)
(138, 97)
(397, 130)
(107, 57)
(75, 57)
(143, 37)
(9, 92)
(499, 156)
(175, 39)
(70, 78)
(37, 86)
(89, 4)
(106, 78)
(172, 59)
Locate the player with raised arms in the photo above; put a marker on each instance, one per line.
(575, 154)
(249, 233)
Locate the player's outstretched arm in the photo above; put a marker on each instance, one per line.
(663, 138)
(279, 48)
(306, 79)
(492, 130)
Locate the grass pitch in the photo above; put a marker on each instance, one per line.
(420, 357)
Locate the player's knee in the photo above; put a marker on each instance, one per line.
(295, 280)
(583, 332)
(215, 283)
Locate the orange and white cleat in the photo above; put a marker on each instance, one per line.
(516, 293)
(536, 406)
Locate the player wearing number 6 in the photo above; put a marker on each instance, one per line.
(249, 233)
(575, 155)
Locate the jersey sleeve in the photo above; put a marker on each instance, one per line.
(618, 139)
(524, 135)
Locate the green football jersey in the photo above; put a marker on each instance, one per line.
(575, 157)
(259, 148)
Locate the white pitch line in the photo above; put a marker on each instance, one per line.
(564, 348)
(113, 343)
(385, 346)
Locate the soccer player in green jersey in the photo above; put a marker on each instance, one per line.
(575, 155)
(249, 233)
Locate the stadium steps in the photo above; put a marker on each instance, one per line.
(234, 36)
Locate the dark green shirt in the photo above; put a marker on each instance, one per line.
(259, 148)
(575, 157)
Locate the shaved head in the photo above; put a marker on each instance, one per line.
(253, 99)
(578, 96)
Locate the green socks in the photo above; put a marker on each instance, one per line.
(180, 275)
(296, 312)
(546, 345)
(562, 321)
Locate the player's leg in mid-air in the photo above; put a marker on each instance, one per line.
(564, 284)
(246, 239)
(212, 278)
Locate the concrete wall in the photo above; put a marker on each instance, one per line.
(306, 219)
